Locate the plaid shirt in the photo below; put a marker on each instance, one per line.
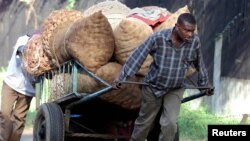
(168, 68)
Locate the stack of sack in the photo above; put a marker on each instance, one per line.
(101, 39)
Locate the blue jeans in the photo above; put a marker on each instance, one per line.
(150, 106)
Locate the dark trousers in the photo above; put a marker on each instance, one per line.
(150, 106)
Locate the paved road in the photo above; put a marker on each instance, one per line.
(27, 135)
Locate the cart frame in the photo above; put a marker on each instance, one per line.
(75, 98)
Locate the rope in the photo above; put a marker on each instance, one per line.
(54, 54)
(64, 40)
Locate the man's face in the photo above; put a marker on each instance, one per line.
(185, 30)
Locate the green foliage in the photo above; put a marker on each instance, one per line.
(27, 2)
(2, 71)
(30, 118)
(71, 4)
(193, 123)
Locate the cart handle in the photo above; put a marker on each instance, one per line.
(186, 99)
(119, 84)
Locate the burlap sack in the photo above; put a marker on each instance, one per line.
(127, 97)
(35, 60)
(61, 85)
(171, 21)
(129, 34)
(90, 40)
(58, 46)
(115, 11)
(51, 30)
(190, 71)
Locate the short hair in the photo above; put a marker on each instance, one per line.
(186, 17)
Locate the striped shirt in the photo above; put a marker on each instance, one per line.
(168, 68)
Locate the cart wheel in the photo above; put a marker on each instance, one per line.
(49, 123)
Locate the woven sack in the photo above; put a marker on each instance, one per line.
(90, 40)
(61, 85)
(58, 46)
(129, 34)
(190, 71)
(35, 60)
(128, 96)
(115, 11)
(50, 30)
(171, 21)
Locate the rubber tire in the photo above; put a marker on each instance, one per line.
(49, 123)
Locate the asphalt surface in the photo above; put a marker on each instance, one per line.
(27, 135)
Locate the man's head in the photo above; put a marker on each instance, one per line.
(185, 26)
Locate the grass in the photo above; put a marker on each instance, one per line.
(193, 122)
